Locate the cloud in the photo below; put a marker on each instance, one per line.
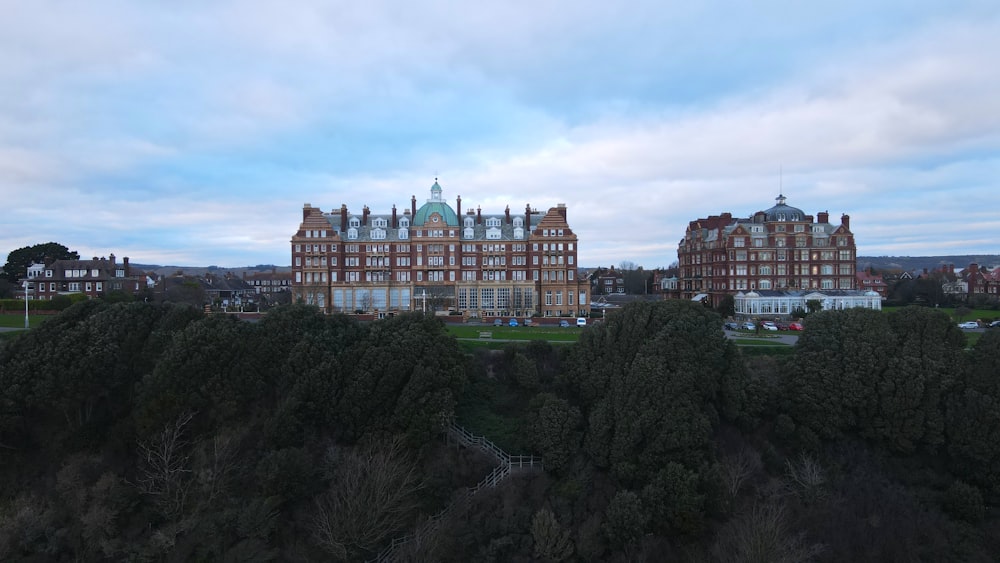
(204, 127)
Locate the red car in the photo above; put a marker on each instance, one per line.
(794, 326)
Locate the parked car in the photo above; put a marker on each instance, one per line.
(768, 325)
(527, 321)
(731, 326)
(794, 326)
(564, 324)
(748, 326)
(995, 324)
(497, 322)
(513, 322)
(581, 321)
(781, 325)
(968, 324)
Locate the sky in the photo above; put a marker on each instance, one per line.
(191, 133)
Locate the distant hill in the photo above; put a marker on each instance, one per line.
(202, 270)
(911, 263)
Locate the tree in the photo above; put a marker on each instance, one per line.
(727, 306)
(19, 260)
(555, 430)
(552, 542)
(372, 494)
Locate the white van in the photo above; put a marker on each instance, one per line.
(581, 321)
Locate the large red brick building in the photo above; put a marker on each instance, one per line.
(435, 257)
(780, 249)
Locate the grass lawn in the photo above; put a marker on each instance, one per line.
(757, 342)
(8, 320)
(554, 334)
(973, 315)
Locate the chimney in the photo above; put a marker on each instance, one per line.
(364, 216)
(506, 214)
(527, 216)
(845, 221)
(413, 205)
(125, 265)
(112, 258)
(459, 206)
(394, 216)
(479, 215)
(823, 217)
(343, 217)
(561, 208)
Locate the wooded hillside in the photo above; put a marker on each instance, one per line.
(137, 431)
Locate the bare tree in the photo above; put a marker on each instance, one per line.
(807, 476)
(738, 467)
(762, 535)
(218, 459)
(373, 493)
(164, 467)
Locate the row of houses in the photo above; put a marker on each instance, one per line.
(103, 276)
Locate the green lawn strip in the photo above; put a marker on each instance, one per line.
(973, 315)
(8, 320)
(516, 333)
(757, 342)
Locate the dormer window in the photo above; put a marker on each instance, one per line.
(355, 223)
(518, 233)
(404, 222)
(352, 233)
(379, 222)
(469, 232)
(470, 222)
(404, 234)
(492, 222)
(378, 234)
(518, 222)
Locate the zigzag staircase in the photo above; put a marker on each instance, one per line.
(506, 465)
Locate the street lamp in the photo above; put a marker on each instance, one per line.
(25, 303)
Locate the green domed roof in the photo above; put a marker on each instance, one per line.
(784, 212)
(435, 205)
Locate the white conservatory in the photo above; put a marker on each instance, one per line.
(781, 303)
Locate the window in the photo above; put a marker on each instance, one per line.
(354, 222)
(352, 233)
